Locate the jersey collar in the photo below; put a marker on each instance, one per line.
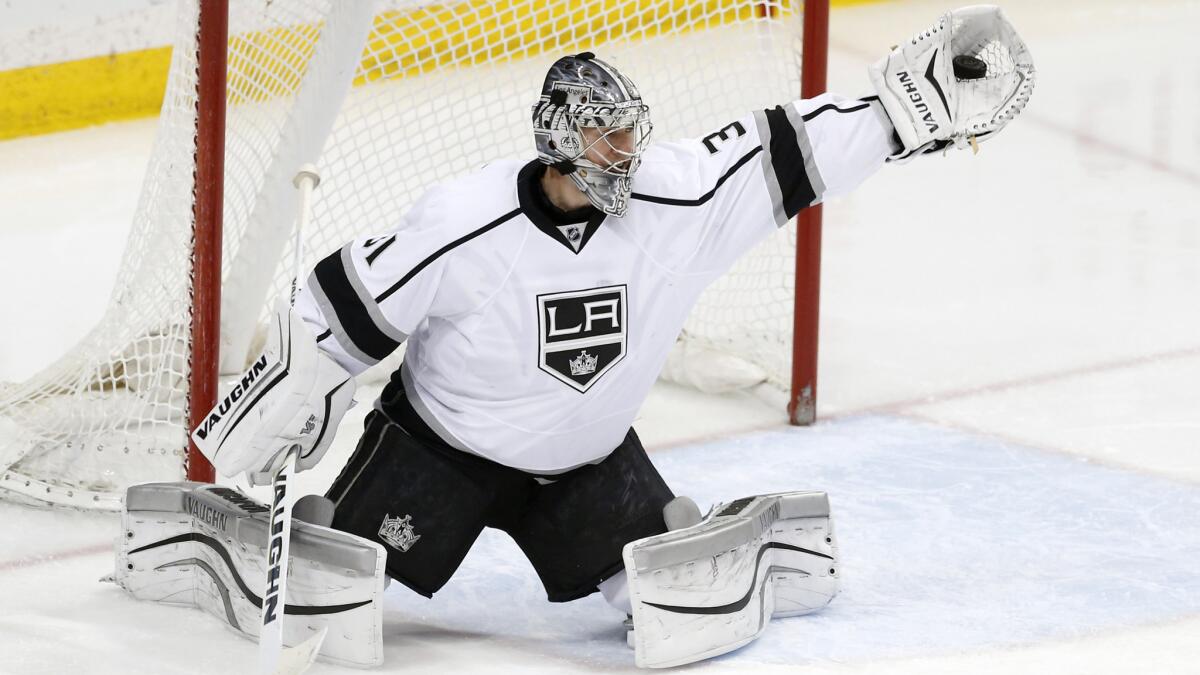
(537, 209)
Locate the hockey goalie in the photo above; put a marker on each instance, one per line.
(539, 301)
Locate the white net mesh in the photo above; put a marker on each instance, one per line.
(386, 99)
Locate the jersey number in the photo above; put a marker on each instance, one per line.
(387, 241)
(723, 135)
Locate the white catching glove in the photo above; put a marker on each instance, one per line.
(959, 82)
(293, 394)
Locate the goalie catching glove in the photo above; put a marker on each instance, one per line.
(959, 82)
(293, 394)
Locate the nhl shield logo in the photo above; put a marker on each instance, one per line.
(582, 334)
(398, 532)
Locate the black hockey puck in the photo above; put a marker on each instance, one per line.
(969, 67)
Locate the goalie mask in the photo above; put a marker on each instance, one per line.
(590, 124)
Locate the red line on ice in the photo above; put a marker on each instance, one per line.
(1021, 382)
(35, 560)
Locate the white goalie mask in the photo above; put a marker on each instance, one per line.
(590, 123)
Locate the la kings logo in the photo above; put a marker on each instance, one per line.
(582, 334)
(398, 532)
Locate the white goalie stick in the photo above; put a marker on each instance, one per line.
(273, 657)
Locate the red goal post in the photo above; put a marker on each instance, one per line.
(204, 376)
(802, 402)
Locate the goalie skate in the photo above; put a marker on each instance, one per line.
(711, 588)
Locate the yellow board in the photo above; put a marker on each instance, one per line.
(472, 33)
(73, 94)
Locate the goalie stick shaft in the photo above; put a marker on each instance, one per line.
(272, 658)
(307, 179)
(270, 639)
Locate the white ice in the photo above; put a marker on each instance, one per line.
(1010, 426)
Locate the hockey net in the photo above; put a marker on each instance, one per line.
(386, 98)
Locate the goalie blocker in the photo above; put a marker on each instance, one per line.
(292, 395)
(708, 589)
(207, 546)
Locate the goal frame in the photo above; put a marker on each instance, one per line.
(802, 402)
(204, 354)
(208, 194)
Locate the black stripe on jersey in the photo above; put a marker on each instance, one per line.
(443, 250)
(787, 161)
(359, 327)
(833, 106)
(707, 195)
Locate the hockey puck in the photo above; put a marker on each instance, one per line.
(969, 67)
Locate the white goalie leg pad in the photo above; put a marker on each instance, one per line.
(933, 100)
(711, 588)
(206, 546)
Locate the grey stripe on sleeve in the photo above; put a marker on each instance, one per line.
(335, 326)
(810, 160)
(764, 137)
(368, 301)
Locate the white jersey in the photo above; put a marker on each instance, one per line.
(534, 344)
